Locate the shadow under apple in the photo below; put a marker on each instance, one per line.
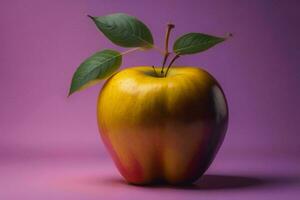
(208, 182)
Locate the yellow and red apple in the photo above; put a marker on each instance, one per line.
(162, 129)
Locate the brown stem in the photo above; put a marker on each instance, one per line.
(167, 53)
(172, 61)
(154, 70)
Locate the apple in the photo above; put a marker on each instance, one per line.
(162, 129)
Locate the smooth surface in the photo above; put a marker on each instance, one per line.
(42, 43)
(162, 129)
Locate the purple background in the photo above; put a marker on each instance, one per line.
(49, 144)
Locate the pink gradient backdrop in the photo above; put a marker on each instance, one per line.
(42, 43)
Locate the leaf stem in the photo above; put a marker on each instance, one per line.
(130, 50)
(172, 61)
(90, 17)
(167, 53)
(228, 35)
(158, 49)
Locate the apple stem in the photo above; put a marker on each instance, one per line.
(172, 61)
(167, 53)
(154, 70)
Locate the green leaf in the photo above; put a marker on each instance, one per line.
(194, 43)
(124, 30)
(99, 66)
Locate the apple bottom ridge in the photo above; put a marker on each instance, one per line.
(135, 174)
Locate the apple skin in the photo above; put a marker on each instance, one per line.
(162, 129)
